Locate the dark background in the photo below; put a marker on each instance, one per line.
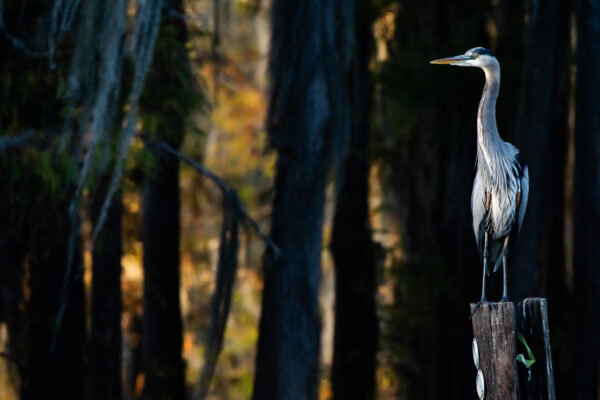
(334, 135)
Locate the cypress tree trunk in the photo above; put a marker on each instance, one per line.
(105, 340)
(586, 340)
(161, 325)
(353, 373)
(53, 373)
(287, 360)
(34, 264)
(168, 82)
(35, 219)
(307, 124)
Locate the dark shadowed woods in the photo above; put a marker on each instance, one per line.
(233, 199)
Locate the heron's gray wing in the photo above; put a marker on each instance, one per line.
(524, 195)
(478, 209)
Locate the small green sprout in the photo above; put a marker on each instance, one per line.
(521, 358)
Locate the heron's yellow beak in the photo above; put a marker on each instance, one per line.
(451, 60)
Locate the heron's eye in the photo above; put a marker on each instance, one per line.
(475, 55)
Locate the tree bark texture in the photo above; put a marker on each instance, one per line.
(308, 125)
(586, 340)
(353, 371)
(105, 338)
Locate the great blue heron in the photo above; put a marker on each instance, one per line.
(501, 186)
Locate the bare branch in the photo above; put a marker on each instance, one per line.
(7, 142)
(221, 302)
(227, 191)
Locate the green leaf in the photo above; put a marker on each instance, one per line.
(522, 340)
(527, 363)
(521, 358)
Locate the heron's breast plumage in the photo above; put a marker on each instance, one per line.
(503, 211)
(501, 180)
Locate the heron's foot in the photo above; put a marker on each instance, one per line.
(504, 299)
(479, 304)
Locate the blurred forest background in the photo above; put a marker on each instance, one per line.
(129, 270)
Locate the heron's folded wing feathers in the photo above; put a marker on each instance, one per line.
(478, 211)
(524, 195)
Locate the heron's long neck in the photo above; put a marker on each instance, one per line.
(489, 143)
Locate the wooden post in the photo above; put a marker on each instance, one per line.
(532, 323)
(495, 330)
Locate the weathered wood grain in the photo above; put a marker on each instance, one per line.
(494, 329)
(532, 323)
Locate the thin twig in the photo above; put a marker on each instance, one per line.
(6, 142)
(227, 191)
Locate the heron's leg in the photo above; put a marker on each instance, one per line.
(486, 255)
(505, 271)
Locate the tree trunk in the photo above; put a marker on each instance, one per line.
(53, 372)
(308, 125)
(353, 373)
(586, 340)
(35, 222)
(287, 360)
(105, 340)
(168, 82)
(162, 326)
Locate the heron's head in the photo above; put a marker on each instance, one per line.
(476, 57)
